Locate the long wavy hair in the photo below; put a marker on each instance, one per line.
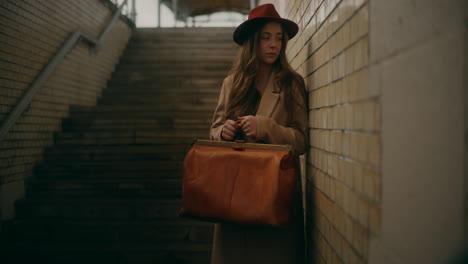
(244, 97)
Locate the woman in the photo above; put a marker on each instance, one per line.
(262, 100)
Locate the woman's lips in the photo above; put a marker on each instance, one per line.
(271, 54)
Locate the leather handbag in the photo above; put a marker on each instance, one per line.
(245, 183)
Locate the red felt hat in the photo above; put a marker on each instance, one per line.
(258, 16)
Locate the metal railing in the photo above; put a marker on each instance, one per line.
(129, 11)
(74, 38)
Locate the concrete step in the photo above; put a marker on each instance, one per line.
(168, 108)
(134, 209)
(196, 83)
(160, 165)
(151, 75)
(221, 66)
(193, 35)
(99, 231)
(174, 89)
(152, 90)
(100, 188)
(190, 38)
(117, 153)
(168, 116)
(193, 40)
(186, 33)
(181, 46)
(94, 114)
(170, 111)
(26, 252)
(172, 60)
(129, 133)
(142, 138)
(115, 157)
(157, 98)
(109, 169)
(58, 173)
(119, 141)
(179, 66)
(155, 140)
(163, 124)
(125, 132)
(173, 56)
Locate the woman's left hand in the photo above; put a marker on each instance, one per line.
(248, 125)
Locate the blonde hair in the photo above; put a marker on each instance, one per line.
(244, 97)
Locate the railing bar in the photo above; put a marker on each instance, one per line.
(133, 12)
(111, 22)
(50, 67)
(27, 97)
(159, 13)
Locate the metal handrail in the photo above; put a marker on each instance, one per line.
(76, 36)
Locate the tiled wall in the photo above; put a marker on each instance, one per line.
(31, 32)
(343, 179)
(384, 175)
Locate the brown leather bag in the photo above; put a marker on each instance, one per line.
(244, 183)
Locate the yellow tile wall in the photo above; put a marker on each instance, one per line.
(343, 175)
(30, 34)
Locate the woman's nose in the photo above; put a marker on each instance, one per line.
(274, 43)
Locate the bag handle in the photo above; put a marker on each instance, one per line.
(245, 145)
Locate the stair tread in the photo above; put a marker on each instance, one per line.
(102, 181)
(188, 246)
(157, 222)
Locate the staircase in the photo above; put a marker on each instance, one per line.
(109, 190)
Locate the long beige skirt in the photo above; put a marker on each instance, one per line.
(243, 244)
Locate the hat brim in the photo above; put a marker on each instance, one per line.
(248, 27)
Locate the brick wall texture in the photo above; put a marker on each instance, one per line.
(31, 32)
(343, 165)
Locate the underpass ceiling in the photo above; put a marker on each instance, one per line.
(190, 8)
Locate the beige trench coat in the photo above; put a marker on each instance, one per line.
(243, 244)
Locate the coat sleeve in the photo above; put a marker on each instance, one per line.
(295, 134)
(219, 116)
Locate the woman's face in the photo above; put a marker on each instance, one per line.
(269, 43)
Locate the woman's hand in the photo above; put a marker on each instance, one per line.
(248, 124)
(230, 129)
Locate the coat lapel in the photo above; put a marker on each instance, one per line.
(269, 99)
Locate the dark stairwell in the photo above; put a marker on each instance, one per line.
(109, 190)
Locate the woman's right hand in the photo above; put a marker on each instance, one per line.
(230, 129)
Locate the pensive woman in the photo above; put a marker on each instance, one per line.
(262, 101)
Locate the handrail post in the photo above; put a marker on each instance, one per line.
(159, 13)
(112, 21)
(174, 10)
(133, 13)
